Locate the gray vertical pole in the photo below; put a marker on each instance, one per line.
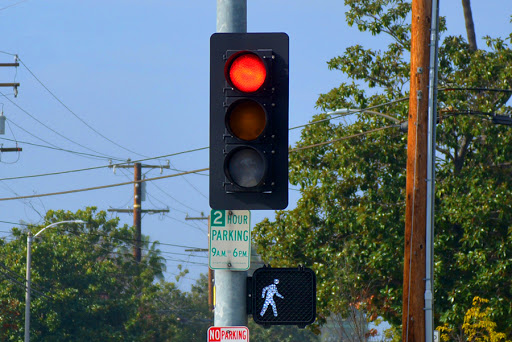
(27, 288)
(230, 286)
(232, 16)
(431, 173)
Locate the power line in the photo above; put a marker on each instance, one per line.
(74, 114)
(12, 5)
(340, 139)
(22, 224)
(102, 186)
(173, 198)
(188, 172)
(56, 147)
(350, 112)
(102, 235)
(49, 128)
(130, 242)
(99, 167)
(185, 223)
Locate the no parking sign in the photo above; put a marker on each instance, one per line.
(232, 334)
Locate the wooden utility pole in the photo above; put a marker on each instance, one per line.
(413, 314)
(2, 117)
(14, 85)
(137, 210)
(137, 255)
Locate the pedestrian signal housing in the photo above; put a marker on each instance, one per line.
(283, 296)
(249, 121)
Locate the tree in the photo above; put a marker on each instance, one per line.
(478, 326)
(85, 286)
(349, 223)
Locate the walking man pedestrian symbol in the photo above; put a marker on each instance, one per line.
(270, 291)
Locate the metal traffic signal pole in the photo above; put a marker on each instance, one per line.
(230, 286)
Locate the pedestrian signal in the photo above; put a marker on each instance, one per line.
(284, 296)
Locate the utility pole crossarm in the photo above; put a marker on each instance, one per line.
(10, 149)
(202, 217)
(150, 211)
(9, 85)
(124, 166)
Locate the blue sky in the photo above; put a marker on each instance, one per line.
(137, 72)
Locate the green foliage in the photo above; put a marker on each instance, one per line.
(349, 223)
(87, 286)
(478, 325)
(281, 333)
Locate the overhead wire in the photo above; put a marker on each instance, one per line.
(122, 162)
(185, 223)
(12, 5)
(132, 244)
(342, 138)
(18, 153)
(162, 202)
(339, 113)
(21, 278)
(22, 284)
(85, 123)
(51, 129)
(72, 112)
(26, 203)
(129, 242)
(149, 195)
(205, 169)
(349, 112)
(54, 147)
(109, 236)
(184, 173)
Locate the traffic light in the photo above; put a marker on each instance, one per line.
(249, 121)
(283, 296)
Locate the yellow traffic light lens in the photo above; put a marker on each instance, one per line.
(246, 167)
(246, 119)
(246, 72)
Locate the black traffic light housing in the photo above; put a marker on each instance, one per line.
(283, 296)
(249, 120)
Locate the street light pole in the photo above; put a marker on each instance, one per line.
(30, 238)
(27, 288)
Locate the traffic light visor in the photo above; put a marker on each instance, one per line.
(245, 167)
(246, 71)
(246, 119)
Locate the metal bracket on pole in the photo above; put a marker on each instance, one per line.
(249, 295)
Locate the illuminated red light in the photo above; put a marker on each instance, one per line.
(247, 72)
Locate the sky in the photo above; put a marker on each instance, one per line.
(120, 79)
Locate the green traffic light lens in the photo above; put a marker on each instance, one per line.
(245, 167)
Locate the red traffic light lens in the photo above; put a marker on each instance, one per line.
(246, 72)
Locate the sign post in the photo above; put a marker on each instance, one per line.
(229, 240)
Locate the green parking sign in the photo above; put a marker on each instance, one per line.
(229, 239)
